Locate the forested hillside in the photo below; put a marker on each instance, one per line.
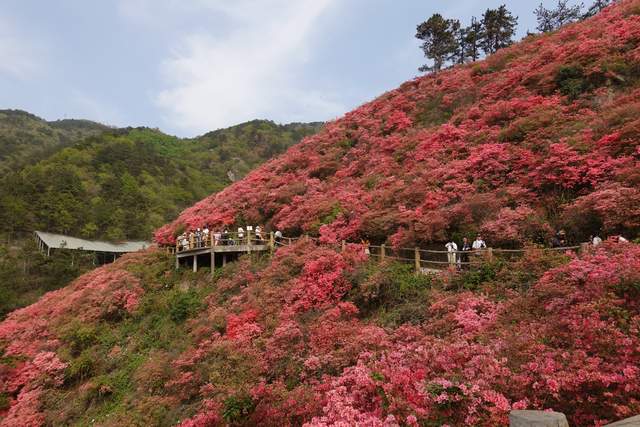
(541, 135)
(80, 178)
(124, 183)
(26, 139)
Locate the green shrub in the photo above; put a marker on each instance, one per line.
(571, 82)
(238, 408)
(5, 402)
(183, 305)
(392, 292)
(82, 367)
(80, 337)
(472, 279)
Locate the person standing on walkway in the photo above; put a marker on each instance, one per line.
(198, 238)
(278, 236)
(478, 243)
(452, 248)
(205, 235)
(466, 248)
(240, 235)
(258, 234)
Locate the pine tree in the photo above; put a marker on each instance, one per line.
(459, 56)
(473, 37)
(563, 14)
(596, 8)
(499, 26)
(439, 41)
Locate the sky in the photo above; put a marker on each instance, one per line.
(192, 66)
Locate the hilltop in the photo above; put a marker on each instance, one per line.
(26, 138)
(541, 135)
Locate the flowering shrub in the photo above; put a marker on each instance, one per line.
(305, 337)
(406, 164)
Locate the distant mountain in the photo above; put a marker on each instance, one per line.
(26, 138)
(78, 177)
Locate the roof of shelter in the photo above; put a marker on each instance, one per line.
(61, 241)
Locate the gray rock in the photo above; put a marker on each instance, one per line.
(537, 419)
(627, 422)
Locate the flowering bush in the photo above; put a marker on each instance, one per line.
(305, 336)
(407, 164)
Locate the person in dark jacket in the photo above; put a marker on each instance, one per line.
(466, 248)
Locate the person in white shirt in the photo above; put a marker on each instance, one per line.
(205, 235)
(216, 238)
(479, 243)
(240, 234)
(596, 240)
(622, 240)
(258, 233)
(451, 252)
(278, 236)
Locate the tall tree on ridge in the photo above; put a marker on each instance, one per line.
(596, 8)
(459, 55)
(563, 14)
(439, 42)
(473, 37)
(499, 27)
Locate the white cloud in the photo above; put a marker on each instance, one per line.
(19, 56)
(248, 72)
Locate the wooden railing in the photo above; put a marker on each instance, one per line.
(422, 259)
(209, 240)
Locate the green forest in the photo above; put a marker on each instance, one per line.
(85, 179)
(117, 184)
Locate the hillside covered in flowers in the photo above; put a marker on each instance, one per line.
(541, 135)
(544, 134)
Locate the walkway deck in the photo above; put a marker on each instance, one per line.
(232, 245)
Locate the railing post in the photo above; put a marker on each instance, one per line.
(271, 241)
(417, 259)
(490, 254)
(584, 248)
(344, 245)
(177, 245)
(382, 252)
(191, 244)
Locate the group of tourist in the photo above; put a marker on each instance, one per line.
(560, 239)
(461, 257)
(201, 238)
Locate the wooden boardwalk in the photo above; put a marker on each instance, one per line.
(214, 251)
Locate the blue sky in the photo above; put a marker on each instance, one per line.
(190, 66)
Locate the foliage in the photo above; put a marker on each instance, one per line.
(25, 274)
(26, 139)
(122, 184)
(508, 145)
(563, 14)
(319, 336)
(499, 26)
(439, 41)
